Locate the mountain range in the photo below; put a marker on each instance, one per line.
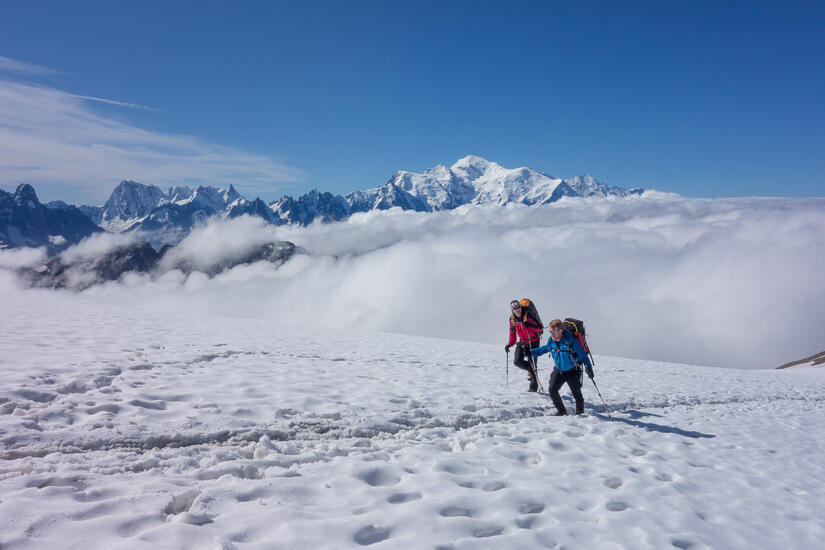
(166, 217)
(25, 221)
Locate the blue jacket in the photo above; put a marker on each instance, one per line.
(563, 351)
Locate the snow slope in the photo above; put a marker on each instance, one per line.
(814, 360)
(134, 429)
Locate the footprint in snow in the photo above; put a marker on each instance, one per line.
(155, 405)
(378, 477)
(108, 407)
(531, 508)
(493, 486)
(458, 467)
(401, 498)
(456, 511)
(142, 366)
(614, 482)
(617, 506)
(485, 532)
(370, 534)
(526, 523)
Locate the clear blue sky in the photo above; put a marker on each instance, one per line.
(699, 98)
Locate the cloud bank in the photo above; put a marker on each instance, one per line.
(56, 141)
(722, 282)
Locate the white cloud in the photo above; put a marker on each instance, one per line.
(728, 282)
(220, 242)
(113, 102)
(13, 66)
(58, 143)
(16, 258)
(98, 244)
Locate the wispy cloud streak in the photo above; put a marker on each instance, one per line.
(59, 143)
(9, 65)
(116, 103)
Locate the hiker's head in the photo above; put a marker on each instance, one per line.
(515, 307)
(556, 329)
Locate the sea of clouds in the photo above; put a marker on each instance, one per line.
(721, 282)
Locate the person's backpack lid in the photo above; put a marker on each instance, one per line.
(529, 306)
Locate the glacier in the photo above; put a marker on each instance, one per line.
(133, 428)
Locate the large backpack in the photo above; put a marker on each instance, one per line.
(576, 327)
(530, 306)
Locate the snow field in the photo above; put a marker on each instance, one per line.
(138, 430)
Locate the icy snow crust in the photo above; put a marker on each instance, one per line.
(128, 429)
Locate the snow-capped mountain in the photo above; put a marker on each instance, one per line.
(168, 216)
(471, 180)
(307, 207)
(259, 208)
(25, 221)
(587, 186)
(129, 202)
(169, 221)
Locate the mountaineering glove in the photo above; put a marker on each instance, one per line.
(589, 372)
(507, 348)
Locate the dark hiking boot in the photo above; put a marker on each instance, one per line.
(579, 410)
(531, 389)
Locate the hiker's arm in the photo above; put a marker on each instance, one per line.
(535, 352)
(512, 334)
(577, 347)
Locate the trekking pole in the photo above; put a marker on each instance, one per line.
(507, 367)
(602, 398)
(536, 374)
(535, 367)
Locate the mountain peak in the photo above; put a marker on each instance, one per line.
(474, 160)
(128, 201)
(473, 167)
(25, 193)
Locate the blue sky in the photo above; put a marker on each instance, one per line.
(698, 98)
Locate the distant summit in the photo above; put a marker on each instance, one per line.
(168, 216)
(25, 221)
(472, 180)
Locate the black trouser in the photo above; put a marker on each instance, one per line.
(525, 361)
(573, 378)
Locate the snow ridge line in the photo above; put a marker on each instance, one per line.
(310, 430)
(331, 429)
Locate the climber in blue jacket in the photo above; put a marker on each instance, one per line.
(569, 355)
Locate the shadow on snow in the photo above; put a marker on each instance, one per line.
(651, 425)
